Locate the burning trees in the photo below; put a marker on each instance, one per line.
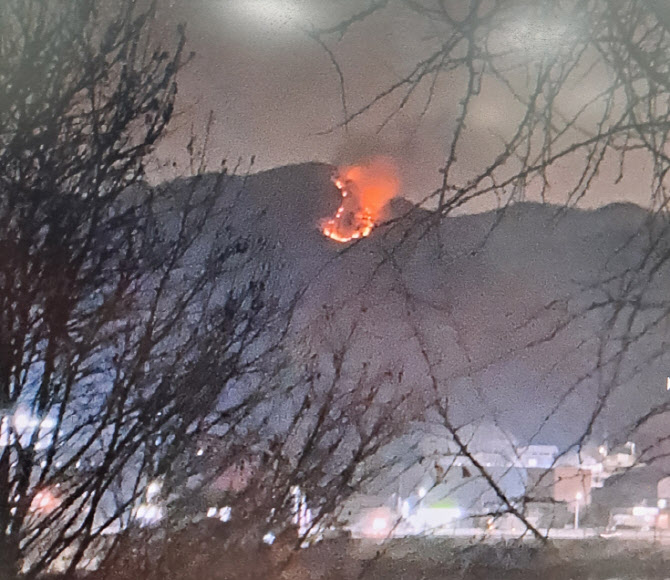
(365, 190)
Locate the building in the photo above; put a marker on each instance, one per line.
(538, 456)
(572, 485)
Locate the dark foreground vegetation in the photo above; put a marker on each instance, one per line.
(190, 555)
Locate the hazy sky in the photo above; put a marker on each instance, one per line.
(273, 90)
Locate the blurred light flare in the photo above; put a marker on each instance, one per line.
(153, 489)
(149, 514)
(279, 15)
(224, 514)
(22, 424)
(44, 502)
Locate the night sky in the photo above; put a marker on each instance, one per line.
(273, 90)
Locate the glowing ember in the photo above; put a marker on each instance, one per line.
(365, 190)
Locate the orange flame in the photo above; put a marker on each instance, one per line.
(365, 190)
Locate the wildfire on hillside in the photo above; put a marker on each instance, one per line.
(365, 190)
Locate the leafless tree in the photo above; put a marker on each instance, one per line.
(126, 310)
(584, 92)
(536, 58)
(285, 466)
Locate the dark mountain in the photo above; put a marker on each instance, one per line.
(495, 300)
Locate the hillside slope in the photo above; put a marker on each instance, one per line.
(481, 295)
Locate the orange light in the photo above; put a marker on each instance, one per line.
(44, 501)
(365, 190)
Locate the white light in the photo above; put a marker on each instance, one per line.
(579, 496)
(422, 492)
(200, 452)
(662, 503)
(276, 14)
(667, 384)
(405, 509)
(641, 510)
(4, 431)
(533, 35)
(22, 421)
(153, 489)
(602, 450)
(48, 423)
(269, 538)
(225, 513)
(379, 524)
(149, 514)
(211, 512)
(532, 462)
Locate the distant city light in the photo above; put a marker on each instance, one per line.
(153, 489)
(645, 511)
(225, 513)
(148, 514)
(22, 421)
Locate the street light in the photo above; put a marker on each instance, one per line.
(578, 498)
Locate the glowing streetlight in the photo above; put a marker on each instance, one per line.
(578, 498)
